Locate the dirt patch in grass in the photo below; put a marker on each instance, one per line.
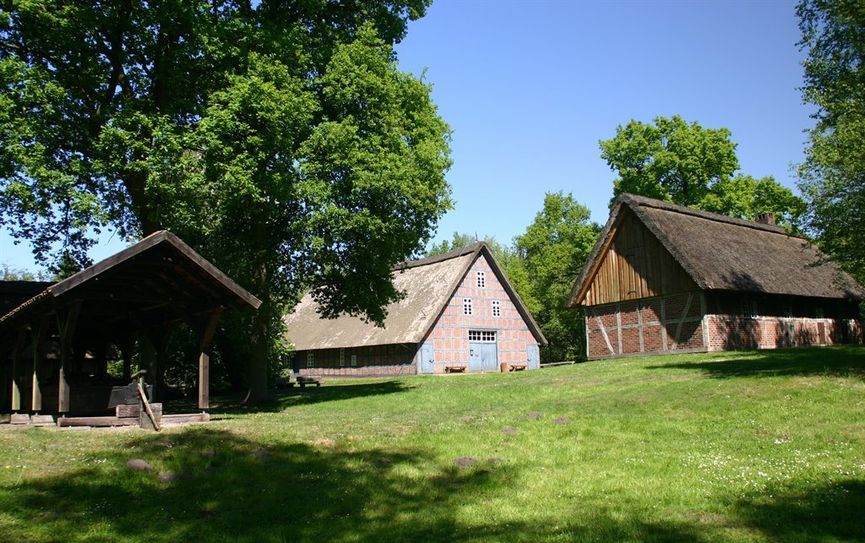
(510, 430)
(534, 415)
(465, 461)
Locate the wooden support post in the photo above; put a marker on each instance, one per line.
(36, 389)
(67, 330)
(16, 387)
(204, 359)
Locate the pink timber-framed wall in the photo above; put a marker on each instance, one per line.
(450, 334)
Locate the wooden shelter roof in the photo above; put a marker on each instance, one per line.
(725, 253)
(157, 280)
(428, 284)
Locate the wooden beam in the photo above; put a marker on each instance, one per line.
(604, 332)
(682, 319)
(67, 330)
(36, 389)
(204, 358)
(16, 387)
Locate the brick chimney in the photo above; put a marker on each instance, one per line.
(766, 218)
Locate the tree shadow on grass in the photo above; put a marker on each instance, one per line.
(233, 404)
(211, 485)
(843, 361)
(827, 512)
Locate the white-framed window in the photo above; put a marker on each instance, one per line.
(481, 279)
(484, 336)
(310, 359)
(467, 306)
(496, 308)
(342, 358)
(354, 361)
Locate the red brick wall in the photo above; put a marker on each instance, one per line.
(646, 326)
(450, 335)
(650, 325)
(728, 332)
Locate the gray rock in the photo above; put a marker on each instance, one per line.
(137, 464)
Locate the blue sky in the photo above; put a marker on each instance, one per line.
(529, 87)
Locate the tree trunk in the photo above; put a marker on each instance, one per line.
(259, 337)
(257, 370)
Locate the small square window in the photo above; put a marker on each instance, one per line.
(481, 279)
(467, 306)
(310, 359)
(342, 358)
(497, 308)
(354, 361)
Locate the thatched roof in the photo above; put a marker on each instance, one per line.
(724, 253)
(428, 284)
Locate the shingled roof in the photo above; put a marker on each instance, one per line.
(428, 284)
(725, 253)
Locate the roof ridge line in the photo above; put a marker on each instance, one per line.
(635, 199)
(455, 253)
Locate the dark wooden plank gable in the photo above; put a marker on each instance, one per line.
(635, 265)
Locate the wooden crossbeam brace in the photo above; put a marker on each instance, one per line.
(603, 331)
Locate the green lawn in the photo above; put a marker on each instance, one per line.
(753, 446)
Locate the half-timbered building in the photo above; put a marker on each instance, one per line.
(667, 278)
(458, 313)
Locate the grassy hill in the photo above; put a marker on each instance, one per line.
(752, 446)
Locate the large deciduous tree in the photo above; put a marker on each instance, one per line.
(278, 138)
(832, 178)
(550, 256)
(694, 166)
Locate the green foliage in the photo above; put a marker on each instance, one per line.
(832, 178)
(550, 257)
(280, 140)
(8, 273)
(745, 197)
(670, 159)
(690, 165)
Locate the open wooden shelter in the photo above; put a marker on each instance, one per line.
(55, 339)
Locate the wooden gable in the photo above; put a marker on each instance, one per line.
(634, 264)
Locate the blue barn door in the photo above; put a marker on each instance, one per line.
(534, 357)
(426, 358)
(483, 353)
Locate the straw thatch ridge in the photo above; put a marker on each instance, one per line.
(724, 253)
(428, 285)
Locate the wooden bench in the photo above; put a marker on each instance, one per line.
(304, 380)
(455, 369)
(519, 367)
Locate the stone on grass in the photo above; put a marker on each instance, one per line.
(562, 420)
(534, 415)
(509, 430)
(167, 476)
(137, 464)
